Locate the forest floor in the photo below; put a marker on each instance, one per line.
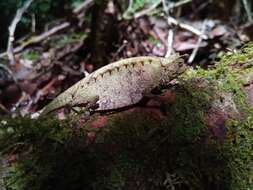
(195, 135)
(47, 62)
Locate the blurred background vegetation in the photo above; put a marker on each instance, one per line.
(130, 151)
(42, 10)
(45, 11)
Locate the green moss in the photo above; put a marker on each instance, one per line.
(229, 74)
(49, 154)
(32, 55)
(187, 112)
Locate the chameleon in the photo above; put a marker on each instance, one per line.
(120, 84)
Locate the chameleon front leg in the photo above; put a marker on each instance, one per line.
(88, 107)
(152, 93)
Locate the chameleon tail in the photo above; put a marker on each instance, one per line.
(61, 101)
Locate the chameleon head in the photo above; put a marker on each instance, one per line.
(173, 66)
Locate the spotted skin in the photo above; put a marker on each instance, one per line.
(121, 83)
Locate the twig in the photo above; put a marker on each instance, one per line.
(172, 20)
(157, 3)
(195, 31)
(148, 10)
(165, 6)
(125, 14)
(23, 97)
(178, 4)
(248, 10)
(83, 6)
(12, 29)
(170, 33)
(195, 50)
(168, 5)
(37, 39)
(48, 33)
(170, 43)
(125, 42)
(166, 9)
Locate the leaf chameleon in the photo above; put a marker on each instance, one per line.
(120, 84)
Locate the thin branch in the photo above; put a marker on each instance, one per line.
(178, 4)
(39, 38)
(165, 6)
(157, 3)
(12, 29)
(48, 33)
(248, 10)
(23, 97)
(173, 21)
(170, 43)
(124, 44)
(168, 5)
(83, 6)
(190, 28)
(195, 50)
(148, 10)
(130, 4)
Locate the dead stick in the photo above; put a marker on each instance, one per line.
(12, 29)
(85, 5)
(48, 33)
(39, 38)
(148, 10)
(195, 50)
(247, 8)
(156, 4)
(195, 31)
(178, 4)
(170, 43)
